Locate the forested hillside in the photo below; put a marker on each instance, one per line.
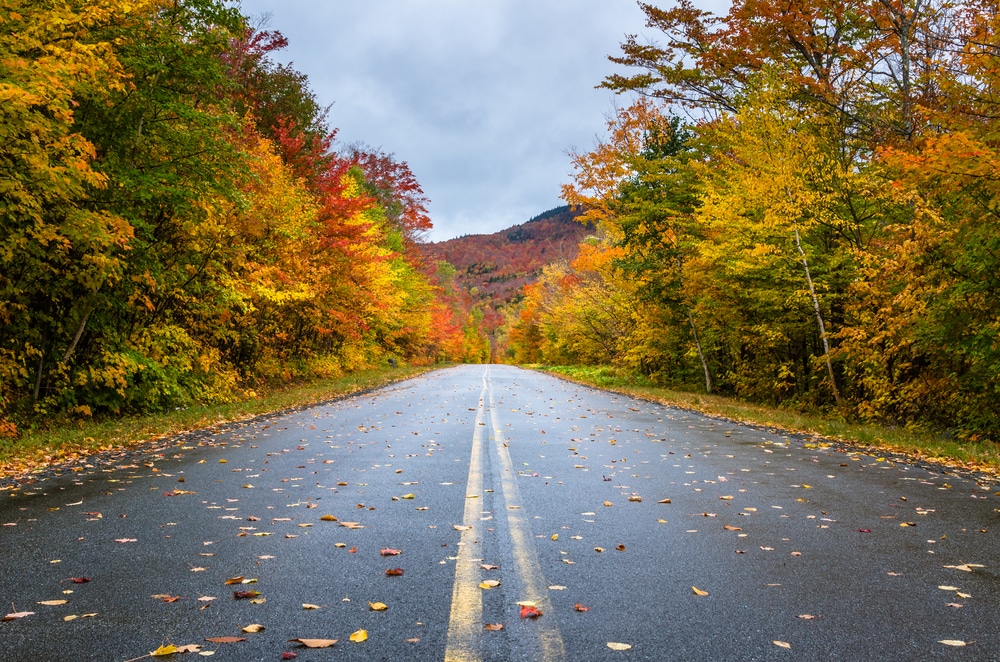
(494, 268)
(178, 223)
(823, 233)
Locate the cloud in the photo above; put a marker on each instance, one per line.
(482, 99)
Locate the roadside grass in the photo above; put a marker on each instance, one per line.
(979, 456)
(65, 440)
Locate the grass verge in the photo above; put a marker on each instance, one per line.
(981, 456)
(33, 450)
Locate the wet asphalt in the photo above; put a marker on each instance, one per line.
(799, 550)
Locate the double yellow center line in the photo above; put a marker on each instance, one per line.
(465, 626)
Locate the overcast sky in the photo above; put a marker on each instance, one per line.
(482, 98)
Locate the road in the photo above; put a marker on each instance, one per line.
(680, 536)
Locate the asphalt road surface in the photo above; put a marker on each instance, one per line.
(625, 523)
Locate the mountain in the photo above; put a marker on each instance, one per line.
(494, 267)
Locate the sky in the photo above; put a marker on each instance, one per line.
(484, 99)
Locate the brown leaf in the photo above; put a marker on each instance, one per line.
(394, 572)
(580, 607)
(225, 640)
(16, 615)
(253, 628)
(493, 627)
(729, 527)
(244, 595)
(390, 552)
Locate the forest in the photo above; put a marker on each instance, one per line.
(179, 225)
(799, 205)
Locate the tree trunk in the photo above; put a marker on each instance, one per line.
(701, 354)
(819, 319)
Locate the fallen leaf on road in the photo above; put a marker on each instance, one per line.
(52, 603)
(123, 540)
(663, 501)
(608, 504)
(16, 615)
(288, 655)
(169, 649)
(530, 612)
(225, 640)
(781, 644)
(965, 567)
(948, 588)
(390, 552)
(461, 527)
(557, 587)
(635, 498)
(378, 606)
(698, 591)
(489, 583)
(318, 643)
(808, 617)
(487, 566)
(955, 605)
(359, 636)
(598, 549)
(729, 527)
(493, 627)
(352, 525)
(615, 646)
(309, 606)
(244, 595)
(78, 580)
(580, 607)
(394, 572)
(253, 628)
(952, 642)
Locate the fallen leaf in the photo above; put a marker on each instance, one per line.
(948, 588)
(234, 580)
(620, 548)
(598, 549)
(965, 567)
(663, 501)
(555, 536)
(528, 611)
(615, 646)
(409, 496)
(390, 552)
(123, 540)
(636, 498)
(225, 640)
(729, 527)
(79, 580)
(489, 583)
(253, 628)
(557, 587)
(394, 572)
(580, 607)
(243, 595)
(309, 606)
(378, 606)
(359, 636)
(726, 498)
(52, 603)
(782, 644)
(168, 649)
(698, 591)
(808, 617)
(955, 605)
(461, 527)
(493, 627)
(952, 642)
(288, 655)
(352, 525)
(318, 643)
(16, 615)
(608, 504)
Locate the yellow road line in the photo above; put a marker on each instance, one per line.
(529, 571)
(465, 623)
